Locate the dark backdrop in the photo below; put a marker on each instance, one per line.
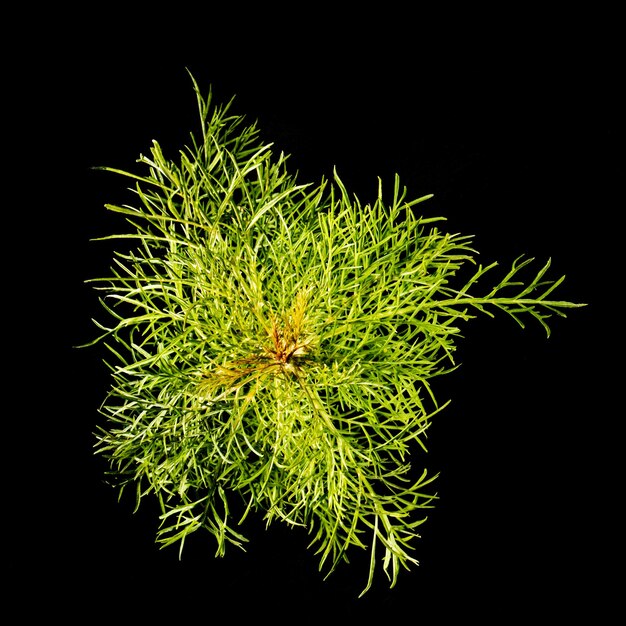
(515, 129)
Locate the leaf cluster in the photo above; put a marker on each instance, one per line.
(273, 343)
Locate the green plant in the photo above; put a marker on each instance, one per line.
(274, 344)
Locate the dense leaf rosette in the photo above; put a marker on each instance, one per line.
(273, 343)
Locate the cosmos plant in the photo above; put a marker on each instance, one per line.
(273, 344)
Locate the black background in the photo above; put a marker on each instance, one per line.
(513, 122)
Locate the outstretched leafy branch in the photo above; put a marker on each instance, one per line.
(273, 345)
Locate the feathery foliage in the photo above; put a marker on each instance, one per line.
(274, 343)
